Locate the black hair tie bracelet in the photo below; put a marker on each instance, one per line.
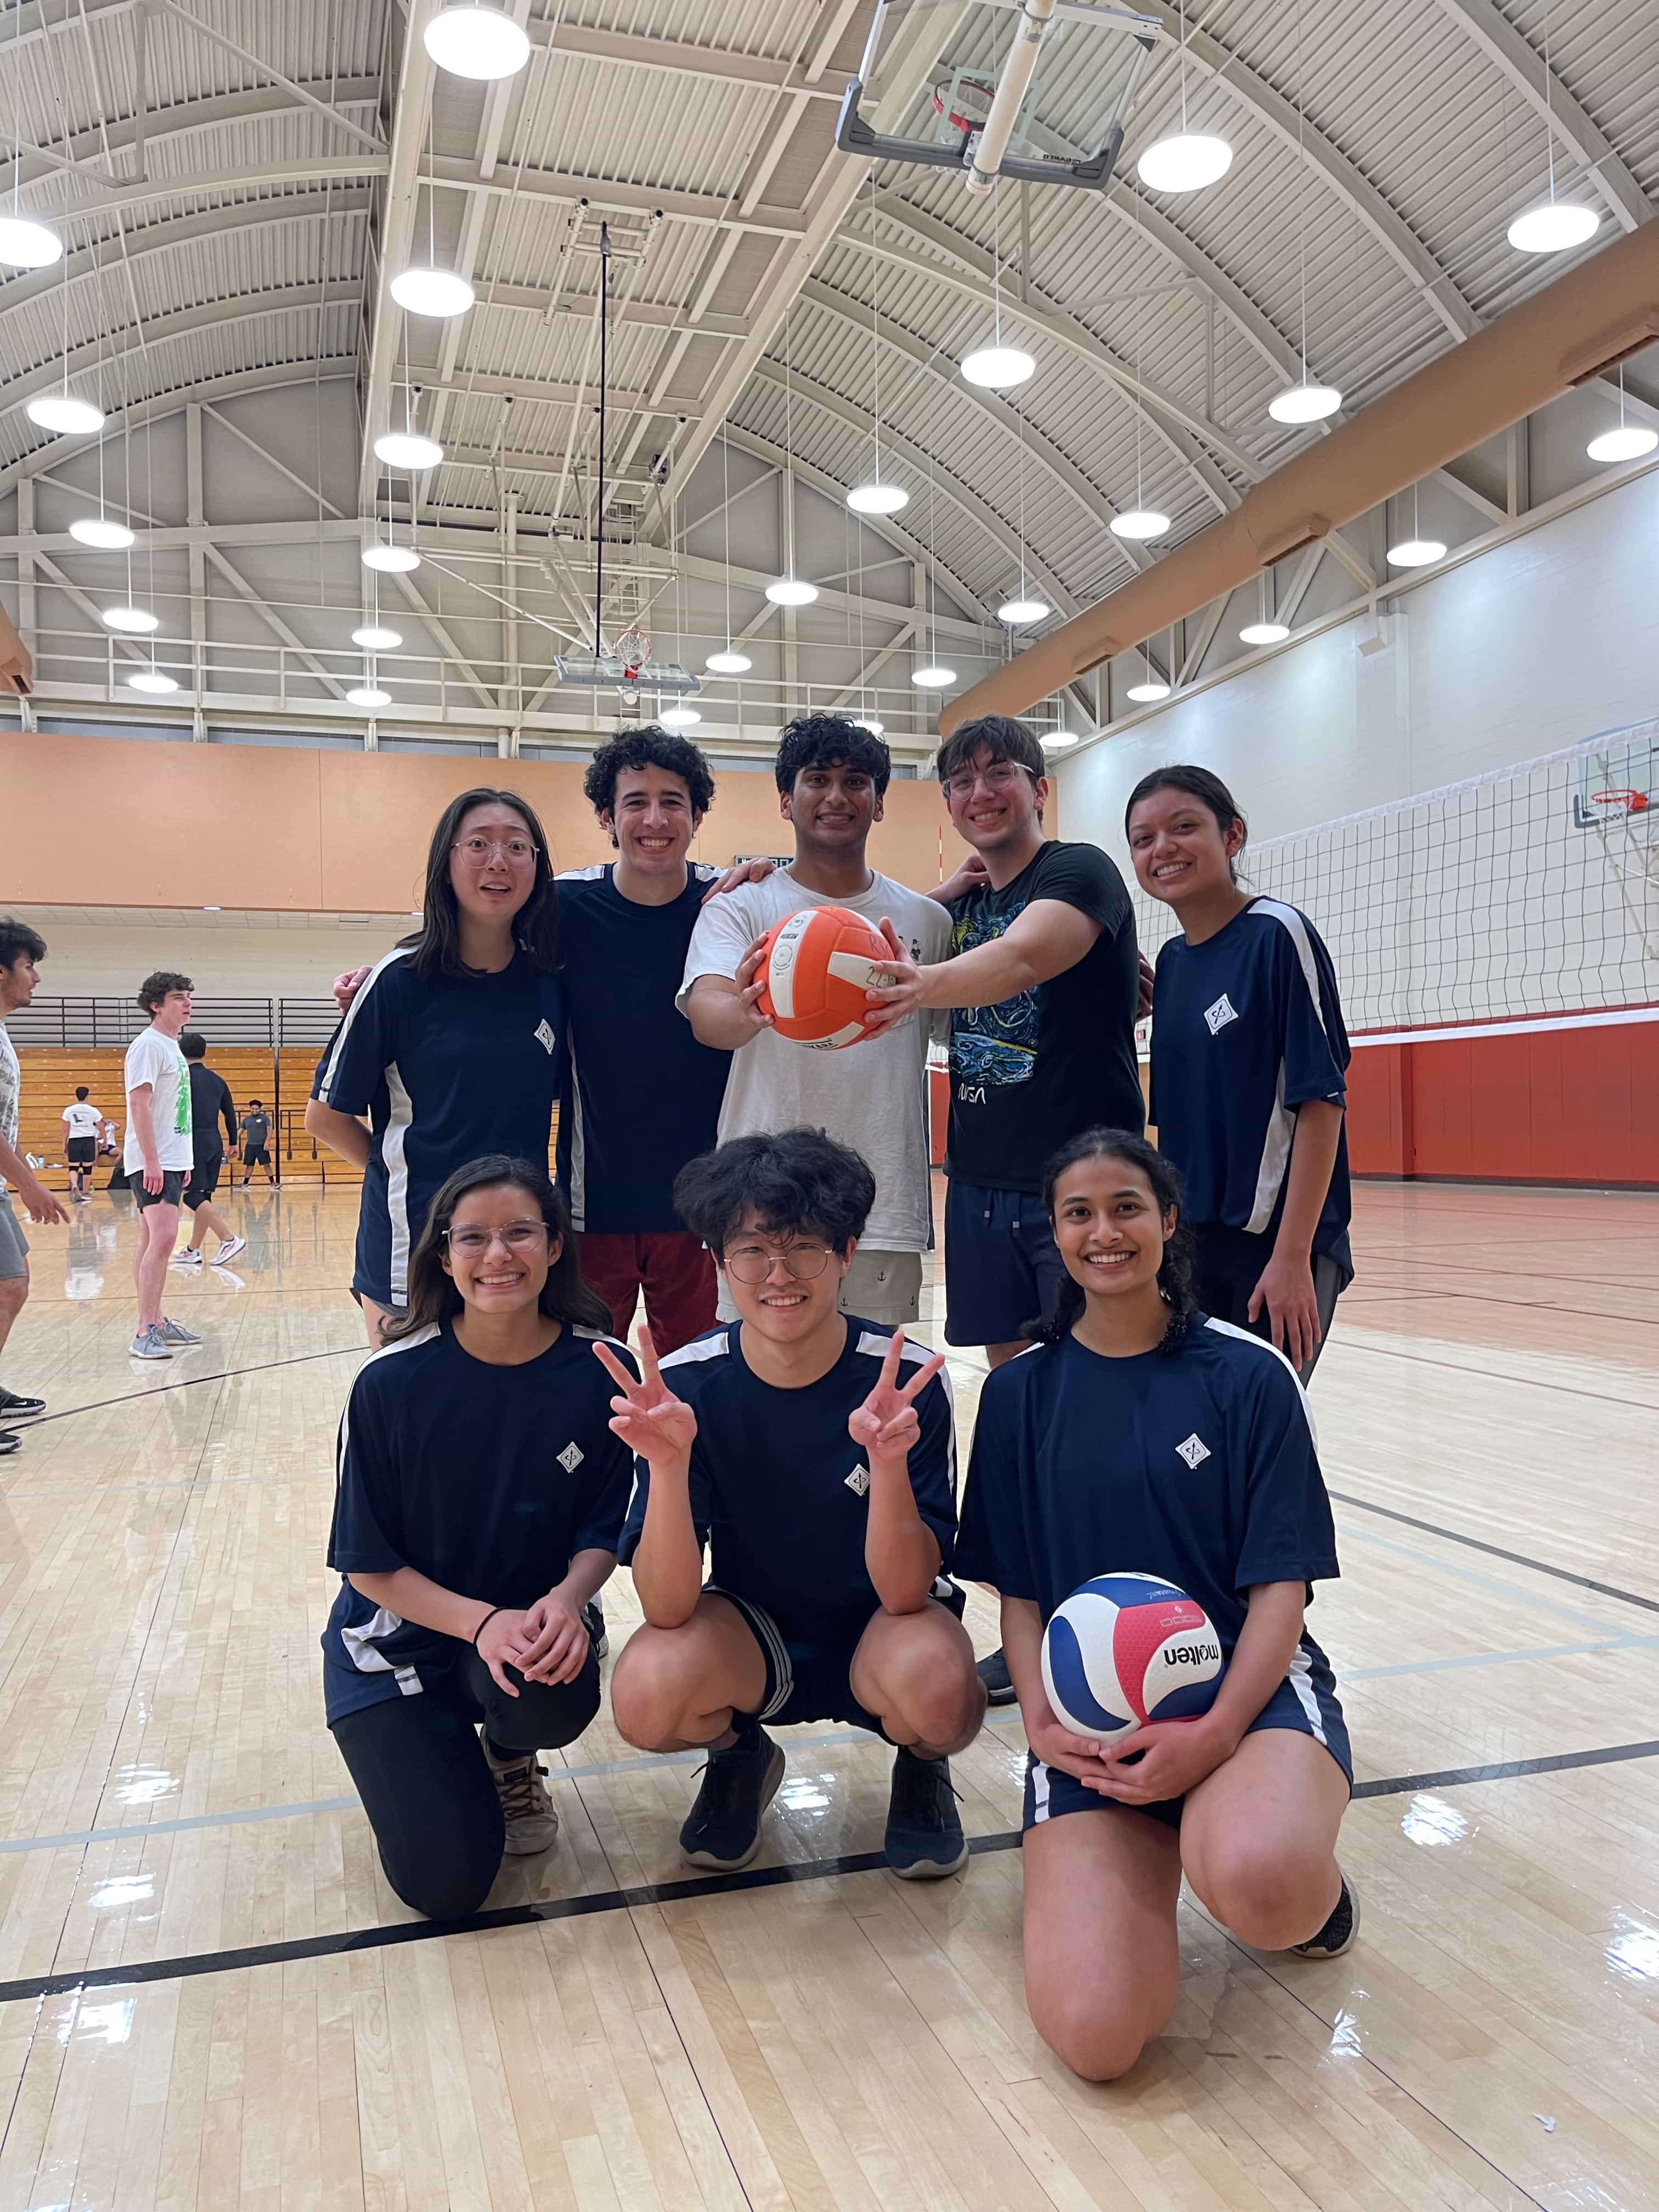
(485, 1622)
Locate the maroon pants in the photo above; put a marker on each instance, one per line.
(675, 1271)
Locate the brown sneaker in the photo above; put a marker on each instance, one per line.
(532, 1822)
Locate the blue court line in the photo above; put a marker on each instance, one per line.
(1008, 1718)
(1531, 1598)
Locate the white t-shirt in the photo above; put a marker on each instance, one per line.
(80, 1120)
(157, 1061)
(872, 1096)
(11, 1081)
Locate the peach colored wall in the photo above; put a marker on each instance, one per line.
(140, 822)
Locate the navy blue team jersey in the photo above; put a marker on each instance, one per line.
(1246, 1027)
(779, 1487)
(446, 1068)
(488, 1479)
(647, 1095)
(1200, 1466)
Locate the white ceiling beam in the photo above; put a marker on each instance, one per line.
(181, 120)
(554, 393)
(712, 211)
(271, 618)
(416, 72)
(1200, 643)
(708, 65)
(253, 175)
(296, 90)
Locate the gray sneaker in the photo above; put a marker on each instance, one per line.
(172, 1333)
(151, 1343)
(528, 1811)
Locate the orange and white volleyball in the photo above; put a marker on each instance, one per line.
(814, 971)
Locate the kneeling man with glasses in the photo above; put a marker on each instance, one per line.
(814, 1454)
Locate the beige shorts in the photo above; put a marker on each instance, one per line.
(878, 1287)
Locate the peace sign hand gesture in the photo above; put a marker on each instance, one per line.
(887, 1424)
(647, 1415)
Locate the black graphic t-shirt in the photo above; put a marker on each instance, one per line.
(1033, 1071)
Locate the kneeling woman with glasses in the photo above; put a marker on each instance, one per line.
(481, 1496)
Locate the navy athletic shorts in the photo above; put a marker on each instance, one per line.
(1002, 1268)
(810, 1679)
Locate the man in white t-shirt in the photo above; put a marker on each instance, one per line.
(21, 950)
(81, 1123)
(831, 776)
(158, 1154)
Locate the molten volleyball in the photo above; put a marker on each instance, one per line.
(1128, 1649)
(815, 968)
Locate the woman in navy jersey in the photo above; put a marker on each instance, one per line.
(453, 1045)
(1142, 1435)
(1250, 1070)
(481, 1496)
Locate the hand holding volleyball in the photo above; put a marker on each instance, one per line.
(1126, 1651)
(815, 970)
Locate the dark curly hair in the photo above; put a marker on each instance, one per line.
(798, 1181)
(828, 741)
(1200, 783)
(649, 745)
(155, 988)
(17, 939)
(1175, 1272)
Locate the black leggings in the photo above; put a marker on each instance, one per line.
(422, 1774)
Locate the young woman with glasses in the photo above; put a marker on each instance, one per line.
(452, 1045)
(481, 1497)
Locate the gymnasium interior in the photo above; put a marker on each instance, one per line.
(398, 397)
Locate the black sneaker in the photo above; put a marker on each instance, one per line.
(594, 1622)
(14, 1408)
(1338, 1934)
(722, 1829)
(10, 1442)
(993, 1673)
(924, 1840)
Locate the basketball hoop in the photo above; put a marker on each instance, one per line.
(962, 104)
(633, 649)
(1620, 802)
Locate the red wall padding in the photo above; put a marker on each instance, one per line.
(1569, 1105)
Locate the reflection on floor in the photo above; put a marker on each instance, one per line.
(169, 1792)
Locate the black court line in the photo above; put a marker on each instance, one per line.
(676, 1893)
(1497, 1552)
(194, 1381)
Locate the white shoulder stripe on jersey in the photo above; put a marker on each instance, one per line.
(1296, 925)
(387, 1352)
(398, 952)
(875, 1344)
(582, 875)
(1261, 1343)
(701, 1347)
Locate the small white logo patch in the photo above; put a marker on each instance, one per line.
(1220, 1014)
(544, 1035)
(573, 1456)
(1194, 1451)
(858, 1482)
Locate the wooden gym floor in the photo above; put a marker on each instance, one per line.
(209, 1998)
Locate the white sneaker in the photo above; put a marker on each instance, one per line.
(228, 1250)
(532, 1822)
(184, 1257)
(150, 1343)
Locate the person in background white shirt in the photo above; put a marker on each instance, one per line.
(20, 948)
(158, 1154)
(81, 1124)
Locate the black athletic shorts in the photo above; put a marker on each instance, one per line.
(203, 1180)
(255, 1156)
(172, 1186)
(80, 1151)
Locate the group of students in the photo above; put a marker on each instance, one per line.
(770, 1205)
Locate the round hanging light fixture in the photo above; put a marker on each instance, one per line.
(1022, 609)
(728, 661)
(1144, 693)
(25, 245)
(137, 622)
(1304, 402)
(877, 498)
(1264, 632)
(367, 694)
(438, 292)
(998, 367)
(396, 560)
(679, 718)
(1184, 163)
(408, 450)
(154, 680)
(1554, 227)
(98, 530)
(1629, 442)
(1055, 741)
(870, 722)
(481, 43)
(934, 677)
(1416, 553)
(375, 637)
(791, 591)
(1140, 522)
(63, 414)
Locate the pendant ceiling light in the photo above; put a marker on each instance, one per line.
(876, 497)
(1140, 521)
(429, 291)
(789, 589)
(1025, 609)
(1024, 606)
(1629, 442)
(390, 559)
(1415, 551)
(1186, 160)
(1057, 741)
(375, 637)
(367, 694)
(133, 621)
(1553, 226)
(997, 366)
(873, 496)
(935, 677)
(25, 245)
(1308, 400)
(1152, 688)
(1264, 632)
(728, 661)
(154, 680)
(408, 451)
(1305, 402)
(679, 718)
(64, 414)
(481, 43)
(870, 722)
(98, 530)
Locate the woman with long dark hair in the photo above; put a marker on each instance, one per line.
(481, 1496)
(1142, 1435)
(452, 1045)
(1250, 1070)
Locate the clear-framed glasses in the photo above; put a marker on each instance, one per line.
(517, 1235)
(752, 1262)
(480, 850)
(1001, 775)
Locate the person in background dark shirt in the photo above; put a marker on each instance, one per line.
(210, 1102)
(256, 1129)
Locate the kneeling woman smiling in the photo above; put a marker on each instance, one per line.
(1142, 1436)
(481, 1495)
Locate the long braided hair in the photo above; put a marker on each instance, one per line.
(1176, 1271)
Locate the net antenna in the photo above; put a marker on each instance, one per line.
(979, 118)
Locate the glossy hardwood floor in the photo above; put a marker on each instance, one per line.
(186, 2020)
